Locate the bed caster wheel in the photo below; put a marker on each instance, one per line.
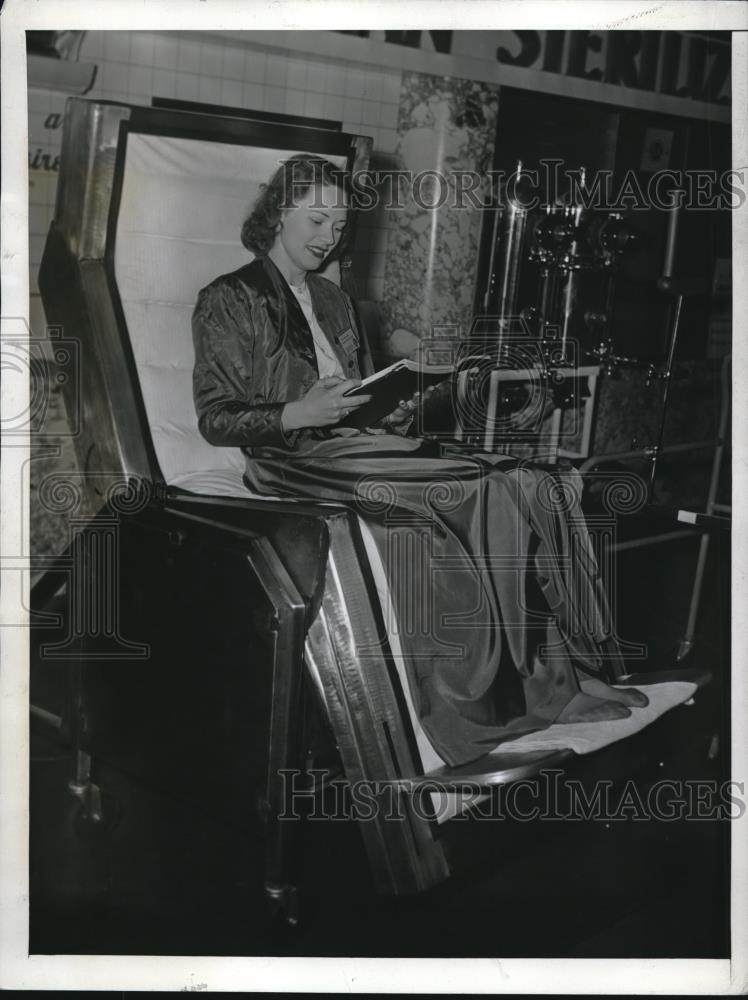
(282, 907)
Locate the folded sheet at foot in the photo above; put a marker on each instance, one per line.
(584, 737)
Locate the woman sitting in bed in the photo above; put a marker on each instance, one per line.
(499, 608)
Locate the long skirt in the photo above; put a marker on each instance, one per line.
(493, 578)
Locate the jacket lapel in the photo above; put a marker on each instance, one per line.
(332, 317)
(289, 315)
(328, 306)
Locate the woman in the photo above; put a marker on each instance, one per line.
(488, 559)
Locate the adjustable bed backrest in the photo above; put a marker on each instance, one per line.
(149, 210)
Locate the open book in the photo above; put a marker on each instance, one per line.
(387, 387)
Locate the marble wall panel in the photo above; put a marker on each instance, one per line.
(445, 126)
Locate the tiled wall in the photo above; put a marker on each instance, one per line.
(136, 66)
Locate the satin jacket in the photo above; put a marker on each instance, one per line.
(254, 352)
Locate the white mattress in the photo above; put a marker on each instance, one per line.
(181, 209)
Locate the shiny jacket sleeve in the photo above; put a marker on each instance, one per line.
(228, 411)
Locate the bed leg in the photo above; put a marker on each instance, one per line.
(281, 827)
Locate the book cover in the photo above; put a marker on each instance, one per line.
(387, 387)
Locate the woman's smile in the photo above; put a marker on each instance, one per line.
(319, 252)
(309, 231)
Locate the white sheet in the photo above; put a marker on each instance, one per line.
(586, 737)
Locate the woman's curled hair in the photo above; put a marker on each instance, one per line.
(290, 182)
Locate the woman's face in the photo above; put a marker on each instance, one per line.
(312, 227)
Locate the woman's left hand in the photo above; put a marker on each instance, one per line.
(406, 408)
(404, 411)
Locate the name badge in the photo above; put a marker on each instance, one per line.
(348, 341)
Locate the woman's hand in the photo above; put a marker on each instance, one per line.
(403, 414)
(323, 405)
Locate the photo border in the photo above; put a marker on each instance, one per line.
(490, 975)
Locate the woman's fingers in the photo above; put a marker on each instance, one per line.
(345, 385)
(349, 402)
(353, 402)
(406, 405)
(345, 406)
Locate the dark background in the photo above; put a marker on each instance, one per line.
(533, 126)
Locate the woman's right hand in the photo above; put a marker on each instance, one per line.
(323, 405)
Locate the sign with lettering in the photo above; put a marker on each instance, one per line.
(692, 66)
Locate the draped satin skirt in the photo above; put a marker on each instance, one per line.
(494, 582)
